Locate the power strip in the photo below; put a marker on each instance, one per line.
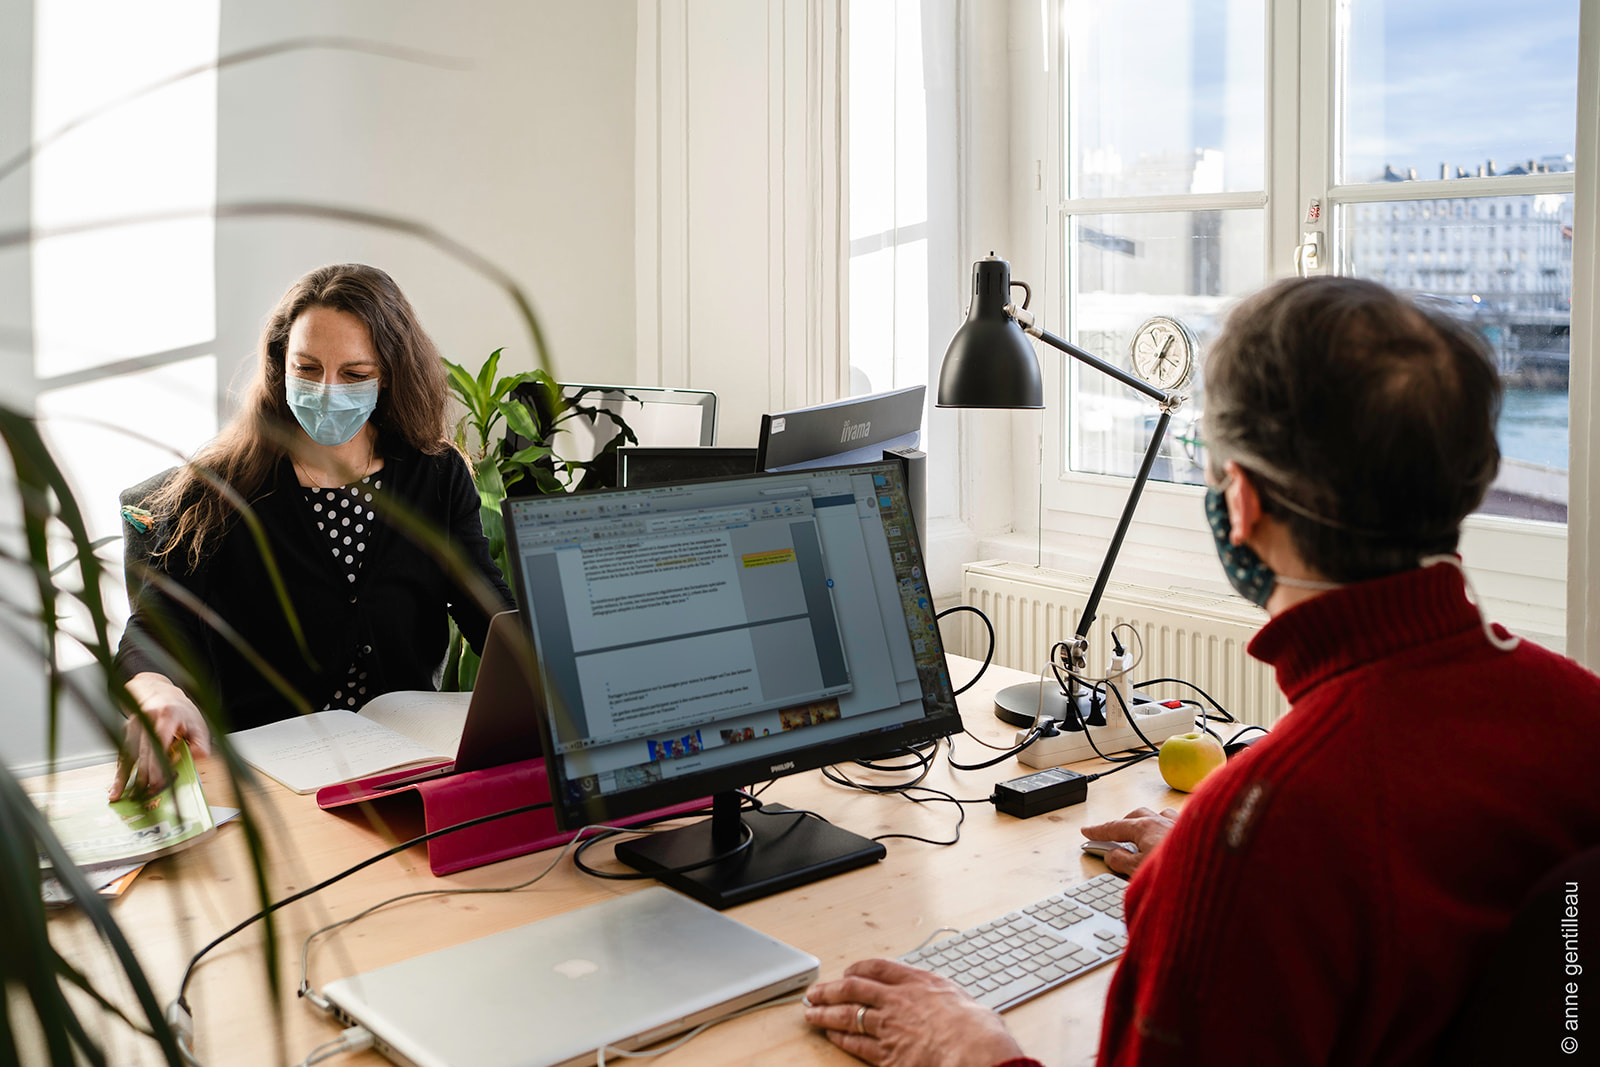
(1070, 746)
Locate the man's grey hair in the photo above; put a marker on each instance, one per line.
(1367, 422)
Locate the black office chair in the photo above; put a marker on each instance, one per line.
(1517, 1010)
(138, 534)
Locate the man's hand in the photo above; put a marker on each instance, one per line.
(912, 1018)
(171, 715)
(1142, 827)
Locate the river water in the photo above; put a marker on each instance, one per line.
(1533, 427)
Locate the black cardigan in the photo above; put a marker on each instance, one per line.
(396, 605)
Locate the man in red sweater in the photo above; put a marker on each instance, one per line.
(1329, 896)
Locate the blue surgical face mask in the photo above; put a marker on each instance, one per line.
(331, 414)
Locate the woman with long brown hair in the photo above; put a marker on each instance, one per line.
(341, 449)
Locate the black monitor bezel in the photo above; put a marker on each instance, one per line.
(628, 454)
(602, 808)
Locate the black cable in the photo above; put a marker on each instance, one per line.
(904, 789)
(918, 754)
(1140, 758)
(940, 794)
(629, 876)
(1242, 732)
(1127, 713)
(1191, 685)
(633, 876)
(1089, 734)
(1032, 736)
(996, 748)
(924, 761)
(988, 656)
(188, 972)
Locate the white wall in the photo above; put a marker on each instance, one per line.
(741, 226)
(527, 158)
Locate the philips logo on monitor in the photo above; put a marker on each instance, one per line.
(856, 431)
(778, 768)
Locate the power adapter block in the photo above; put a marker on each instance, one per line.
(1036, 794)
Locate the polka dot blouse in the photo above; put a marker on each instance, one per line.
(344, 516)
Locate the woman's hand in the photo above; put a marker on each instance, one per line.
(171, 715)
(895, 1015)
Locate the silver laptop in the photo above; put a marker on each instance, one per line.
(624, 973)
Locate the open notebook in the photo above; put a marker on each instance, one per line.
(434, 732)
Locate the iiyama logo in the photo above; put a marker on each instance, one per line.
(776, 767)
(856, 431)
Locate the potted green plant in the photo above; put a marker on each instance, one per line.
(30, 964)
(534, 408)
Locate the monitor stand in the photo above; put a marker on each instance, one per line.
(788, 849)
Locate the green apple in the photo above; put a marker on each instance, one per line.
(1187, 758)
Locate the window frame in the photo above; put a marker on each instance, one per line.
(1519, 566)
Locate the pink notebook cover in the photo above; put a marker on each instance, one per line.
(456, 798)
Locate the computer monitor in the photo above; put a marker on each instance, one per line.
(861, 429)
(855, 430)
(638, 466)
(658, 417)
(694, 639)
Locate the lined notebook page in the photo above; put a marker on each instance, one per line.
(433, 720)
(307, 752)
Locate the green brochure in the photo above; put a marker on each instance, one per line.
(97, 832)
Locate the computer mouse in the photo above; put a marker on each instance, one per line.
(1100, 848)
(1233, 748)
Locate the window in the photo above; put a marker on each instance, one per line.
(1409, 101)
(1165, 188)
(903, 114)
(123, 316)
(1175, 196)
(888, 198)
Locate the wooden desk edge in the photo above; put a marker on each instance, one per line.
(886, 910)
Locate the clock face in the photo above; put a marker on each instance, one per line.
(1163, 353)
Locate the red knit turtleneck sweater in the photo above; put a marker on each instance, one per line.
(1326, 897)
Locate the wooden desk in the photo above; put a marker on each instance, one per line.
(180, 902)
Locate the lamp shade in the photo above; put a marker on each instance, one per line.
(990, 363)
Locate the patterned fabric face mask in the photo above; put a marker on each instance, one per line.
(1249, 576)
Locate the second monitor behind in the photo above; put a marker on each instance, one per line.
(639, 465)
(658, 417)
(857, 429)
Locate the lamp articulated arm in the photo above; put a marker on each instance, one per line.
(1079, 646)
(990, 364)
(1168, 401)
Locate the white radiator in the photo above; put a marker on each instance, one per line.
(1186, 635)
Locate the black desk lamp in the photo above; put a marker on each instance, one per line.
(990, 364)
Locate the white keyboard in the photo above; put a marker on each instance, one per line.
(1034, 949)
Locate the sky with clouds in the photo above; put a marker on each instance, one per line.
(1460, 82)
